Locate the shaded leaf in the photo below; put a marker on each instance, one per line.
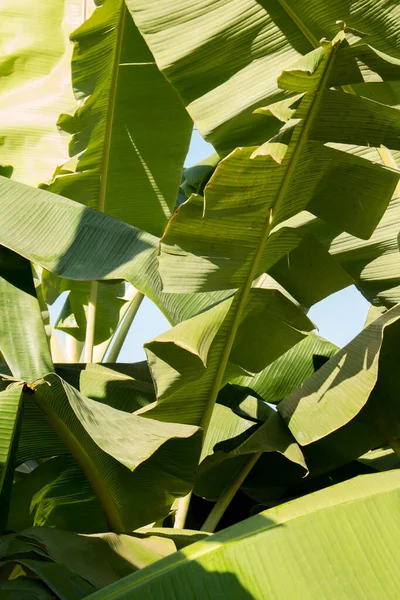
(224, 59)
(303, 532)
(286, 373)
(168, 473)
(337, 392)
(56, 494)
(75, 242)
(23, 341)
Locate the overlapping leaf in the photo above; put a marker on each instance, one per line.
(241, 235)
(182, 369)
(23, 344)
(73, 565)
(22, 338)
(230, 456)
(55, 494)
(119, 390)
(285, 374)
(373, 264)
(323, 536)
(224, 58)
(10, 408)
(254, 41)
(247, 195)
(114, 485)
(111, 300)
(356, 409)
(76, 242)
(167, 473)
(98, 559)
(336, 393)
(123, 162)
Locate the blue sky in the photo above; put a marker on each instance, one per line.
(339, 318)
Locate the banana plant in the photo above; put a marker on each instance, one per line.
(243, 231)
(224, 58)
(226, 331)
(331, 532)
(221, 48)
(122, 160)
(71, 416)
(121, 447)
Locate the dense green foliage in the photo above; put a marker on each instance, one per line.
(242, 418)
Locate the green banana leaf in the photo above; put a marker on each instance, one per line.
(72, 372)
(180, 537)
(20, 587)
(225, 424)
(211, 51)
(243, 234)
(219, 468)
(103, 383)
(62, 582)
(238, 231)
(245, 404)
(73, 313)
(373, 264)
(368, 419)
(338, 541)
(381, 459)
(285, 374)
(10, 408)
(22, 338)
(223, 58)
(346, 408)
(228, 451)
(35, 86)
(23, 344)
(55, 494)
(97, 559)
(106, 475)
(37, 439)
(10, 405)
(168, 472)
(209, 262)
(123, 162)
(128, 438)
(185, 361)
(337, 392)
(54, 232)
(115, 389)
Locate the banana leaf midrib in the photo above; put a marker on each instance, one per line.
(385, 154)
(84, 459)
(110, 114)
(300, 24)
(240, 301)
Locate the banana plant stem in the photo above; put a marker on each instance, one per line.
(73, 348)
(91, 323)
(182, 510)
(227, 495)
(59, 353)
(117, 341)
